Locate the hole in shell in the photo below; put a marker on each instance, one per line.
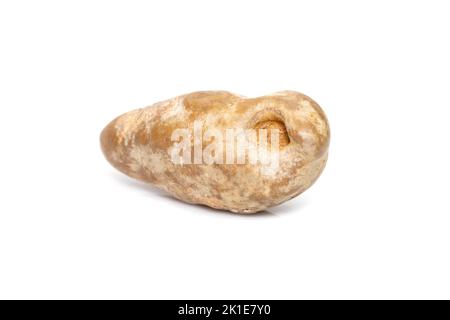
(276, 124)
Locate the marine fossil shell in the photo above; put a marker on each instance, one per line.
(141, 144)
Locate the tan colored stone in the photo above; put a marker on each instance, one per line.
(138, 143)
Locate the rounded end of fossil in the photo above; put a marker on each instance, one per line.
(108, 141)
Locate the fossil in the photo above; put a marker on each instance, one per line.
(221, 149)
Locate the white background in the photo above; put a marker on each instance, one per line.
(375, 225)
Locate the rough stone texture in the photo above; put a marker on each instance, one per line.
(138, 143)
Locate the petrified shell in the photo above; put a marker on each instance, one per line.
(141, 144)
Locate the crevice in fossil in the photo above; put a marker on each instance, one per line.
(268, 125)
